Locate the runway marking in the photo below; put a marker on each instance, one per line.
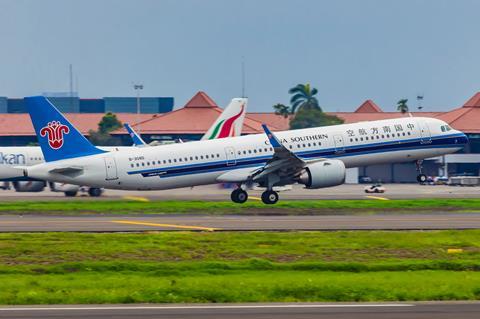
(376, 197)
(210, 307)
(136, 198)
(255, 198)
(164, 225)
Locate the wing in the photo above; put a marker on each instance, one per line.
(283, 166)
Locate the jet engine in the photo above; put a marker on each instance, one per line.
(323, 174)
(29, 186)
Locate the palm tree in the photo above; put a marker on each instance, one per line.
(402, 106)
(282, 109)
(303, 97)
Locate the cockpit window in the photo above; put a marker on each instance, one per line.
(445, 128)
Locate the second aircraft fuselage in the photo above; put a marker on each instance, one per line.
(198, 163)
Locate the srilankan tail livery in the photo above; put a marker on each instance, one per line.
(315, 157)
(230, 122)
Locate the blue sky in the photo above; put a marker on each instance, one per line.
(349, 50)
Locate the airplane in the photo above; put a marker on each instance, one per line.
(315, 157)
(232, 116)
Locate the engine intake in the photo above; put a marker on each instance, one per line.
(323, 174)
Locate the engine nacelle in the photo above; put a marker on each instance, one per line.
(323, 174)
(29, 186)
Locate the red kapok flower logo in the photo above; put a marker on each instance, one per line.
(54, 132)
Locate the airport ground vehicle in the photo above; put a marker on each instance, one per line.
(375, 188)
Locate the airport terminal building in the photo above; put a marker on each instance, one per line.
(158, 121)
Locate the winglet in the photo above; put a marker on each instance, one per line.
(272, 138)
(137, 140)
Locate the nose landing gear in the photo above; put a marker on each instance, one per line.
(421, 178)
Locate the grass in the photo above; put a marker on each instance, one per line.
(251, 207)
(238, 267)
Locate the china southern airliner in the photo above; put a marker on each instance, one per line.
(314, 157)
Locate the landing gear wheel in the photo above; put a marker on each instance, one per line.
(269, 197)
(71, 193)
(239, 196)
(421, 178)
(95, 192)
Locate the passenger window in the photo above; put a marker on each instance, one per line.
(169, 160)
(443, 128)
(266, 149)
(408, 133)
(206, 156)
(138, 165)
(356, 139)
(196, 157)
(164, 162)
(191, 158)
(175, 160)
(290, 146)
(271, 149)
(201, 156)
(143, 164)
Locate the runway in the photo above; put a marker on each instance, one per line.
(427, 310)
(137, 223)
(217, 193)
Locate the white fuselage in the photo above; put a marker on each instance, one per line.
(202, 162)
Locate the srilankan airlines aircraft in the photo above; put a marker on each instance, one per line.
(228, 124)
(315, 157)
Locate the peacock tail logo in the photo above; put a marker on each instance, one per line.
(226, 128)
(54, 131)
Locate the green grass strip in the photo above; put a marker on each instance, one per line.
(286, 206)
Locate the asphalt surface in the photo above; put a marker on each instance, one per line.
(217, 193)
(437, 310)
(102, 223)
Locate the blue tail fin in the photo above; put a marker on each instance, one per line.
(58, 138)
(137, 140)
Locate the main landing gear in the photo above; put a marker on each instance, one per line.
(421, 178)
(269, 197)
(240, 196)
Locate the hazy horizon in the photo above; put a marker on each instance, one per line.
(349, 50)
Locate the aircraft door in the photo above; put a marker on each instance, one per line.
(231, 158)
(110, 168)
(339, 143)
(425, 136)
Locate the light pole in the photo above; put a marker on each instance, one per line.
(137, 88)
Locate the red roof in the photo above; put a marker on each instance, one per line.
(20, 124)
(201, 99)
(368, 107)
(474, 101)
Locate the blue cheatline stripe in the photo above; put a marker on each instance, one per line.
(411, 144)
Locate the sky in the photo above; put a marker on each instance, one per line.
(349, 50)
